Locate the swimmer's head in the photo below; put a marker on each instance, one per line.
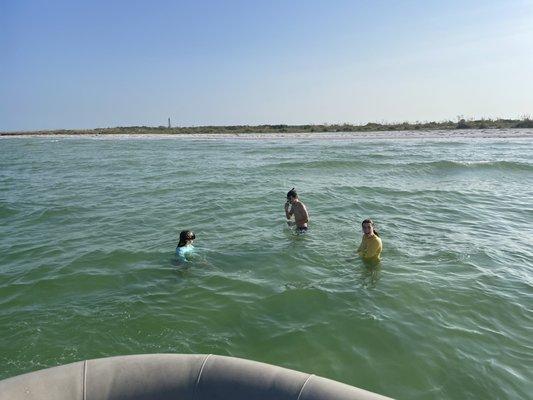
(291, 195)
(186, 237)
(368, 227)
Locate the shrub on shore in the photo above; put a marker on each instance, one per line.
(524, 122)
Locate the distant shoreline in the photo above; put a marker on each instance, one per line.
(377, 135)
(243, 130)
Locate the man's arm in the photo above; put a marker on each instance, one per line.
(288, 213)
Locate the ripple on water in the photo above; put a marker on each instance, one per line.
(87, 269)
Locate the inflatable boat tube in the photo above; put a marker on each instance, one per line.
(175, 377)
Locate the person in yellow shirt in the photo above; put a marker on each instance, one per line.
(370, 247)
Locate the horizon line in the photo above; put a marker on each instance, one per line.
(458, 119)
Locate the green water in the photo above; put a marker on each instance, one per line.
(89, 227)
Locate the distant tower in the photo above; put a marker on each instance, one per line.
(169, 122)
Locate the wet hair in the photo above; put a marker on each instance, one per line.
(369, 221)
(292, 193)
(185, 236)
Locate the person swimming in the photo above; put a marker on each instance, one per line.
(371, 246)
(185, 245)
(298, 209)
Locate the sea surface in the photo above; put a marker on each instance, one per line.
(89, 226)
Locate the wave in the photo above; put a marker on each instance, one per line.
(443, 165)
(6, 211)
(321, 164)
(470, 165)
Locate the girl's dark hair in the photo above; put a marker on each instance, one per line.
(369, 221)
(185, 236)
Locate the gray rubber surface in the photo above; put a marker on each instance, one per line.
(175, 377)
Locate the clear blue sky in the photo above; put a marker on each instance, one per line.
(87, 64)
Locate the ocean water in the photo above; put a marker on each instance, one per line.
(89, 227)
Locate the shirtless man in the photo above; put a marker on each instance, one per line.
(298, 209)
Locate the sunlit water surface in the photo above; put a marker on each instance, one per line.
(89, 227)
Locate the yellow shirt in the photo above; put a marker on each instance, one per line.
(370, 248)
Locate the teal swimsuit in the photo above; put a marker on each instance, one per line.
(182, 251)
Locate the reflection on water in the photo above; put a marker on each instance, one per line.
(370, 274)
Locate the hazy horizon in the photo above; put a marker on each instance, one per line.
(165, 125)
(92, 65)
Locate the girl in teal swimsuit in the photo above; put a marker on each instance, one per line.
(185, 245)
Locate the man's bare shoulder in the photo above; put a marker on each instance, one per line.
(300, 206)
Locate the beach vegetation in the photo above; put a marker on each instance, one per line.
(462, 123)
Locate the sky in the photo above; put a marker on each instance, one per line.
(69, 64)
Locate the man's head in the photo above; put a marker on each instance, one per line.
(292, 195)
